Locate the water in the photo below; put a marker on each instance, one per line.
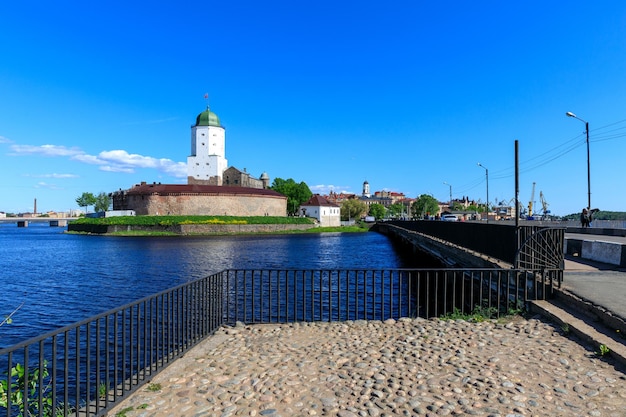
(59, 279)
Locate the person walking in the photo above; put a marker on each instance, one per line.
(585, 218)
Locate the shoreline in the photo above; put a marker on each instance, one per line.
(190, 230)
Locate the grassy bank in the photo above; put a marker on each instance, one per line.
(182, 220)
(224, 225)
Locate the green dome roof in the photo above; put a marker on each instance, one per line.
(208, 118)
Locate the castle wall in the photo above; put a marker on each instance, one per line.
(205, 204)
(210, 181)
(233, 177)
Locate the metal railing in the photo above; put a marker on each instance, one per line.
(86, 368)
(502, 240)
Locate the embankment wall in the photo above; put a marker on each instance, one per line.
(192, 229)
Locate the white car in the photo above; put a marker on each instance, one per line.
(449, 218)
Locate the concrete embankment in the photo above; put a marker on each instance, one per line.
(190, 229)
(608, 248)
(447, 253)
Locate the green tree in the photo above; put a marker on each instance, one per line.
(424, 205)
(86, 200)
(475, 208)
(103, 202)
(396, 209)
(456, 206)
(296, 193)
(378, 211)
(353, 209)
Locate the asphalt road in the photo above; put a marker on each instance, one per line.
(602, 284)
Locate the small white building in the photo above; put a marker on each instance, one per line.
(327, 214)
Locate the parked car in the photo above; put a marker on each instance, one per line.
(449, 218)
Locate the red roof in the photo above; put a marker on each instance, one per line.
(158, 188)
(319, 201)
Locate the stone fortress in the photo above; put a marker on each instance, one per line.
(212, 189)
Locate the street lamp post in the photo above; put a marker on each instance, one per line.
(449, 185)
(570, 114)
(487, 177)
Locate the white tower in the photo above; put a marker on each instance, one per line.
(366, 189)
(207, 161)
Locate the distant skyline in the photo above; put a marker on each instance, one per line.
(407, 96)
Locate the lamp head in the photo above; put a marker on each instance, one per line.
(570, 114)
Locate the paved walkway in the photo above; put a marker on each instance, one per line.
(406, 367)
(602, 284)
(409, 367)
(412, 367)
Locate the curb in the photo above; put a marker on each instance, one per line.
(589, 326)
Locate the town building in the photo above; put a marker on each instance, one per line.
(328, 214)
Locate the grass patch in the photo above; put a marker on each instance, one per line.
(153, 387)
(182, 220)
(480, 314)
(122, 413)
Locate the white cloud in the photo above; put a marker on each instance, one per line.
(42, 184)
(110, 161)
(175, 169)
(46, 150)
(113, 168)
(54, 175)
(87, 159)
(122, 160)
(325, 189)
(5, 140)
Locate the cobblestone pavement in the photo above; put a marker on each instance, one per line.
(412, 367)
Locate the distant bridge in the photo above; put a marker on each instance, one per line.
(25, 221)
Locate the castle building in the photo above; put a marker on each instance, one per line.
(207, 161)
(211, 189)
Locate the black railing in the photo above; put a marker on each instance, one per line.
(86, 368)
(502, 241)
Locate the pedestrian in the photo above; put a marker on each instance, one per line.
(585, 218)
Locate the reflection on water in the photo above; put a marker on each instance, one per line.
(61, 279)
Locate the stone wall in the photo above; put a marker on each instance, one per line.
(233, 177)
(207, 205)
(216, 180)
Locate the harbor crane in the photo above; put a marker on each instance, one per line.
(544, 205)
(530, 203)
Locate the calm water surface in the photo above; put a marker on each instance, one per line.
(61, 278)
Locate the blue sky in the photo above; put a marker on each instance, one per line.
(406, 95)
